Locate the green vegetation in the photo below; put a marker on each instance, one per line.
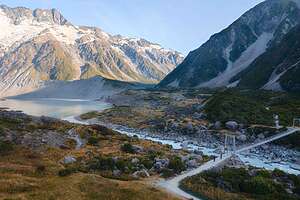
(242, 184)
(5, 147)
(127, 148)
(66, 172)
(93, 141)
(253, 107)
(177, 165)
(291, 141)
(290, 81)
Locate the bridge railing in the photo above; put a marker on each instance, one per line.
(265, 140)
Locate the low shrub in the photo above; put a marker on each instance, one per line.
(176, 165)
(127, 148)
(102, 163)
(167, 173)
(5, 147)
(93, 141)
(66, 172)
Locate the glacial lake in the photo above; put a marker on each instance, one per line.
(57, 108)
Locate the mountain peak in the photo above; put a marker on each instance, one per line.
(52, 15)
(20, 14)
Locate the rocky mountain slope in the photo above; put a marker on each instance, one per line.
(226, 54)
(92, 88)
(276, 69)
(41, 45)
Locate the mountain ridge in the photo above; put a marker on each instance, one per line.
(41, 45)
(233, 49)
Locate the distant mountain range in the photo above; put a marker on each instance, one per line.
(259, 50)
(41, 46)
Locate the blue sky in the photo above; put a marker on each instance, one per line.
(182, 25)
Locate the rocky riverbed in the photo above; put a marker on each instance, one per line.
(267, 156)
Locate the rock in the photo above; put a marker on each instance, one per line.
(192, 164)
(242, 137)
(159, 164)
(234, 162)
(197, 157)
(297, 160)
(185, 145)
(190, 126)
(241, 126)
(69, 160)
(198, 152)
(174, 125)
(117, 173)
(137, 148)
(217, 125)
(185, 158)
(232, 125)
(141, 174)
(135, 161)
(115, 159)
(197, 115)
(261, 136)
(289, 191)
(265, 147)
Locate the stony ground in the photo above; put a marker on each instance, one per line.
(186, 114)
(45, 158)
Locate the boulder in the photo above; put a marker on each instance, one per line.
(198, 152)
(135, 161)
(197, 115)
(235, 162)
(242, 137)
(217, 125)
(192, 164)
(69, 160)
(141, 174)
(137, 148)
(261, 136)
(197, 157)
(232, 125)
(117, 173)
(159, 164)
(190, 126)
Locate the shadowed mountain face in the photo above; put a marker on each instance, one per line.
(41, 45)
(230, 52)
(276, 69)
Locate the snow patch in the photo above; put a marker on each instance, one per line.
(234, 84)
(273, 83)
(174, 84)
(247, 57)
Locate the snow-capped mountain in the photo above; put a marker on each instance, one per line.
(37, 46)
(228, 54)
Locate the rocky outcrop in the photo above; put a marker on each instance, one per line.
(20, 14)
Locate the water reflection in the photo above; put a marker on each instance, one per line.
(58, 108)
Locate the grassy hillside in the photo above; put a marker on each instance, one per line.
(33, 153)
